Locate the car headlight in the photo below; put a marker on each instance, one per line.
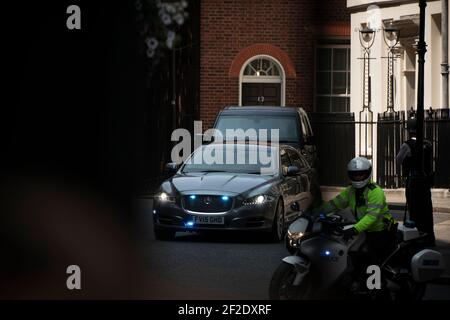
(260, 199)
(164, 197)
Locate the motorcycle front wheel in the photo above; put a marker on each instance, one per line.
(281, 285)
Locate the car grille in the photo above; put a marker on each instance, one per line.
(207, 203)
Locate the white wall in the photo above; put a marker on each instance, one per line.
(378, 67)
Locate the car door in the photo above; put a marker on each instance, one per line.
(309, 150)
(289, 186)
(303, 196)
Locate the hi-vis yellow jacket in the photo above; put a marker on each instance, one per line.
(373, 215)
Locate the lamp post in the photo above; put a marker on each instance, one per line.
(421, 210)
(391, 37)
(366, 38)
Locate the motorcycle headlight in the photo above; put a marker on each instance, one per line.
(260, 199)
(294, 236)
(164, 197)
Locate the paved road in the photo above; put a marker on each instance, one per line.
(219, 266)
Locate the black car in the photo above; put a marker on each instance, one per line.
(293, 125)
(232, 196)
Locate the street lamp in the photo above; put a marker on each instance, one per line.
(366, 38)
(421, 210)
(391, 37)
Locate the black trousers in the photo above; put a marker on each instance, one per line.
(378, 246)
(424, 216)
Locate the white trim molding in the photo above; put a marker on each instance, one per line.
(264, 79)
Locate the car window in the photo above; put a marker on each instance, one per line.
(288, 126)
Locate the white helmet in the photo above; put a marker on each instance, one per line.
(359, 171)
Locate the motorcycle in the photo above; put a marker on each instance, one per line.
(324, 265)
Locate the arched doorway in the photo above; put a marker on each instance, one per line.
(262, 82)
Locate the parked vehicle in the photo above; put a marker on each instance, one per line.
(233, 196)
(323, 265)
(293, 125)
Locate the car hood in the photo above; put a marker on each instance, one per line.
(234, 183)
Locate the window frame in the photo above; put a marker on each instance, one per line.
(347, 71)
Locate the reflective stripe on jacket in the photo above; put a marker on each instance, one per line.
(373, 215)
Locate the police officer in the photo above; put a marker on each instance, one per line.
(407, 159)
(368, 205)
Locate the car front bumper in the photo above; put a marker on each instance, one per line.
(171, 216)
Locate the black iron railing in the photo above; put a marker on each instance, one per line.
(392, 132)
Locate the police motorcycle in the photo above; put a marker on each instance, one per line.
(323, 265)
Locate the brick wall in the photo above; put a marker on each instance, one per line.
(228, 27)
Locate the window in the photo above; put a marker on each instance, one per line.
(332, 90)
(261, 67)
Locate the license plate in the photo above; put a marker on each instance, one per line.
(208, 220)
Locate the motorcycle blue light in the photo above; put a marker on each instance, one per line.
(225, 198)
(327, 253)
(192, 196)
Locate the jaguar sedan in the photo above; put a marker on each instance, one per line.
(236, 194)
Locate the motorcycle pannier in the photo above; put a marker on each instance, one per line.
(427, 265)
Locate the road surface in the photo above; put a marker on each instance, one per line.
(220, 266)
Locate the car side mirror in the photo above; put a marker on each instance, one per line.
(292, 171)
(295, 206)
(171, 167)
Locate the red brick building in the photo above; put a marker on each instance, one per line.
(266, 52)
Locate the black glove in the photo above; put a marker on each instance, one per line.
(349, 233)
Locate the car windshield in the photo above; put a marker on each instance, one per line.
(287, 126)
(235, 158)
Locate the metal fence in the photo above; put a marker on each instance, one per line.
(392, 132)
(335, 139)
(390, 135)
(334, 134)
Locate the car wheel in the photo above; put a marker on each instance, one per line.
(164, 234)
(278, 223)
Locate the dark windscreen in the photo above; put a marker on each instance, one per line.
(254, 159)
(287, 125)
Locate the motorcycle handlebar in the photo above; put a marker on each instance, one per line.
(335, 227)
(331, 222)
